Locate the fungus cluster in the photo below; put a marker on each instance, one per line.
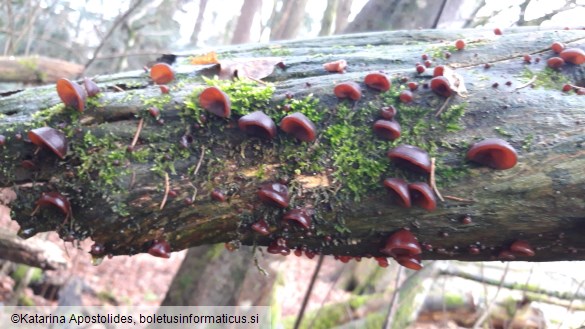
(403, 246)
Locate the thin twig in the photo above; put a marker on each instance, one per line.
(486, 312)
(570, 308)
(393, 301)
(257, 80)
(527, 83)
(200, 161)
(454, 198)
(443, 106)
(433, 183)
(308, 293)
(333, 284)
(138, 130)
(167, 189)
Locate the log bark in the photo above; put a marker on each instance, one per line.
(37, 69)
(116, 196)
(34, 252)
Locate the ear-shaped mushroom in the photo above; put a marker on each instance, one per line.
(215, 101)
(71, 93)
(401, 243)
(258, 124)
(406, 96)
(441, 86)
(411, 157)
(522, 248)
(493, 152)
(274, 194)
(555, 62)
(348, 89)
(50, 138)
(573, 55)
(298, 216)
(298, 125)
(161, 73)
(387, 129)
(422, 195)
(91, 87)
(388, 112)
(411, 262)
(335, 66)
(378, 81)
(57, 200)
(160, 248)
(278, 246)
(399, 188)
(261, 227)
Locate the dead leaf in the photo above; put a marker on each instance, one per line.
(455, 81)
(255, 68)
(208, 58)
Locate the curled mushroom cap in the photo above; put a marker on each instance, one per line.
(160, 248)
(388, 112)
(493, 152)
(522, 248)
(401, 243)
(422, 195)
(411, 157)
(335, 66)
(410, 262)
(557, 47)
(278, 246)
(573, 55)
(298, 125)
(215, 101)
(274, 194)
(349, 90)
(91, 87)
(161, 73)
(399, 188)
(438, 71)
(258, 124)
(387, 129)
(55, 199)
(71, 93)
(378, 81)
(298, 216)
(555, 62)
(261, 227)
(50, 138)
(441, 86)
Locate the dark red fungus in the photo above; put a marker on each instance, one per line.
(97, 249)
(438, 71)
(50, 138)
(378, 81)
(261, 227)
(441, 86)
(401, 243)
(388, 112)
(459, 44)
(164, 89)
(527, 58)
(406, 96)
(424, 57)
(420, 69)
(497, 31)
(91, 87)
(218, 195)
(215, 101)
(473, 250)
(555, 62)
(154, 112)
(493, 152)
(506, 255)
(160, 248)
(410, 262)
(274, 194)
(298, 216)
(557, 47)
(29, 165)
(399, 189)
(521, 248)
(55, 199)
(344, 259)
(71, 93)
(422, 195)
(573, 55)
(387, 129)
(411, 157)
(161, 73)
(278, 246)
(336, 66)
(298, 125)
(348, 89)
(382, 261)
(310, 254)
(2, 140)
(466, 220)
(428, 63)
(258, 124)
(567, 88)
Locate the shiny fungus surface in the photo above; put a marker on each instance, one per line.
(261, 227)
(274, 194)
(298, 125)
(573, 55)
(387, 129)
(411, 157)
(160, 248)
(522, 248)
(441, 86)
(72, 94)
(258, 124)
(378, 81)
(399, 189)
(299, 216)
(348, 89)
(410, 262)
(422, 195)
(215, 101)
(336, 66)
(57, 200)
(493, 152)
(50, 138)
(278, 246)
(91, 87)
(162, 73)
(401, 243)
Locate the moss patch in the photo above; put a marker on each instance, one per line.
(546, 78)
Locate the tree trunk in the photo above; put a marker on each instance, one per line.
(290, 19)
(37, 69)
(249, 10)
(342, 15)
(117, 196)
(328, 18)
(198, 23)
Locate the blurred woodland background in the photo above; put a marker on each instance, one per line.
(77, 38)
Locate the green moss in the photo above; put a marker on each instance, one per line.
(275, 50)
(527, 142)
(21, 272)
(453, 301)
(502, 132)
(546, 78)
(158, 101)
(309, 106)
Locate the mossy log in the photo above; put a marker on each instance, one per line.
(117, 194)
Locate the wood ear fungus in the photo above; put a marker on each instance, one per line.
(555, 62)
(161, 73)
(349, 90)
(50, 138)
(387, 129)
(411, 157)
(258, 124)
(401, 243)
(91, 87)
(160, 248)
(298, 216)
(336, 66)
(298, 125)
(274, 194)
(406, 96)
(522, 248)
(557, 47)
(441, 86)
(71, 93)
(388, 112)
(438, 71)
(378, 81)
(422, 195)
(573, 55)
(410, 262)
(493, 152)
(57, 200)
(399, 188)
(278, 246)
(261, 227)
(215, 101)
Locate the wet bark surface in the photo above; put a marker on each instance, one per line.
(116, 195)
